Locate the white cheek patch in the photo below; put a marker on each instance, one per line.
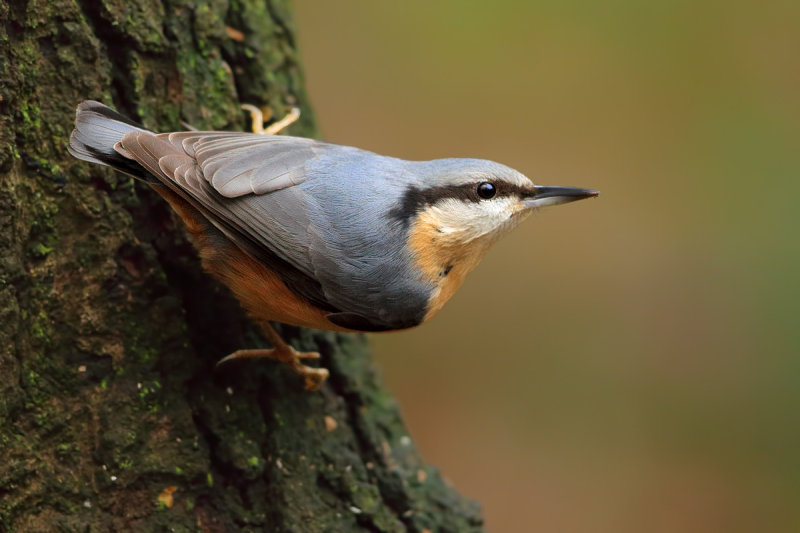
(475, 219)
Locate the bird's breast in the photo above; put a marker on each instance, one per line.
(442, 259)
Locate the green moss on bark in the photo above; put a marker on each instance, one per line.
(109, 331)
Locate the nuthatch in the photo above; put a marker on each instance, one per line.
(315, 234)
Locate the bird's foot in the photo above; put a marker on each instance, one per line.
(314, 377)
(257, 120)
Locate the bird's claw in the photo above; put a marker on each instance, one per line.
(314, 377)
(257, 120)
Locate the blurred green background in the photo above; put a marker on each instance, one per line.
(625, 364)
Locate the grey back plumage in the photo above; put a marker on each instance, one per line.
(358, 251)
(319, 208)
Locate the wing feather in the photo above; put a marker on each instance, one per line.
(271, 227)
(237, 165)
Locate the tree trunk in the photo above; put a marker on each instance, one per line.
(112, 416)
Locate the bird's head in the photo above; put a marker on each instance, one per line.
(464, 200)
(460, 207)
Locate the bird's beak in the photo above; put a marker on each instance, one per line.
(543, 196)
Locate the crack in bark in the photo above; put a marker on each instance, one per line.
(118, 51)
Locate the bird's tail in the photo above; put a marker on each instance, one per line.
(97, 129)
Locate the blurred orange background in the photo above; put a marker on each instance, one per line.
(626, 364)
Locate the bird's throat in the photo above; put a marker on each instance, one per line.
(443, 258)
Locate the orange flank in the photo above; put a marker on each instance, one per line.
(260, 290)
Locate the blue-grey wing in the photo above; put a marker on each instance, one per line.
(290, 202)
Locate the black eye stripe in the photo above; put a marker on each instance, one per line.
(416, 199)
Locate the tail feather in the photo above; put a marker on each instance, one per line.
(97, 129)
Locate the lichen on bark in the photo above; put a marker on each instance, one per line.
(111, 414)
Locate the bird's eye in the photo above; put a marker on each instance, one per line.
(486, 190)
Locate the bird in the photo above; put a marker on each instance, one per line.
(319, 235)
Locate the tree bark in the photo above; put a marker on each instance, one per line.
(112, 416)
